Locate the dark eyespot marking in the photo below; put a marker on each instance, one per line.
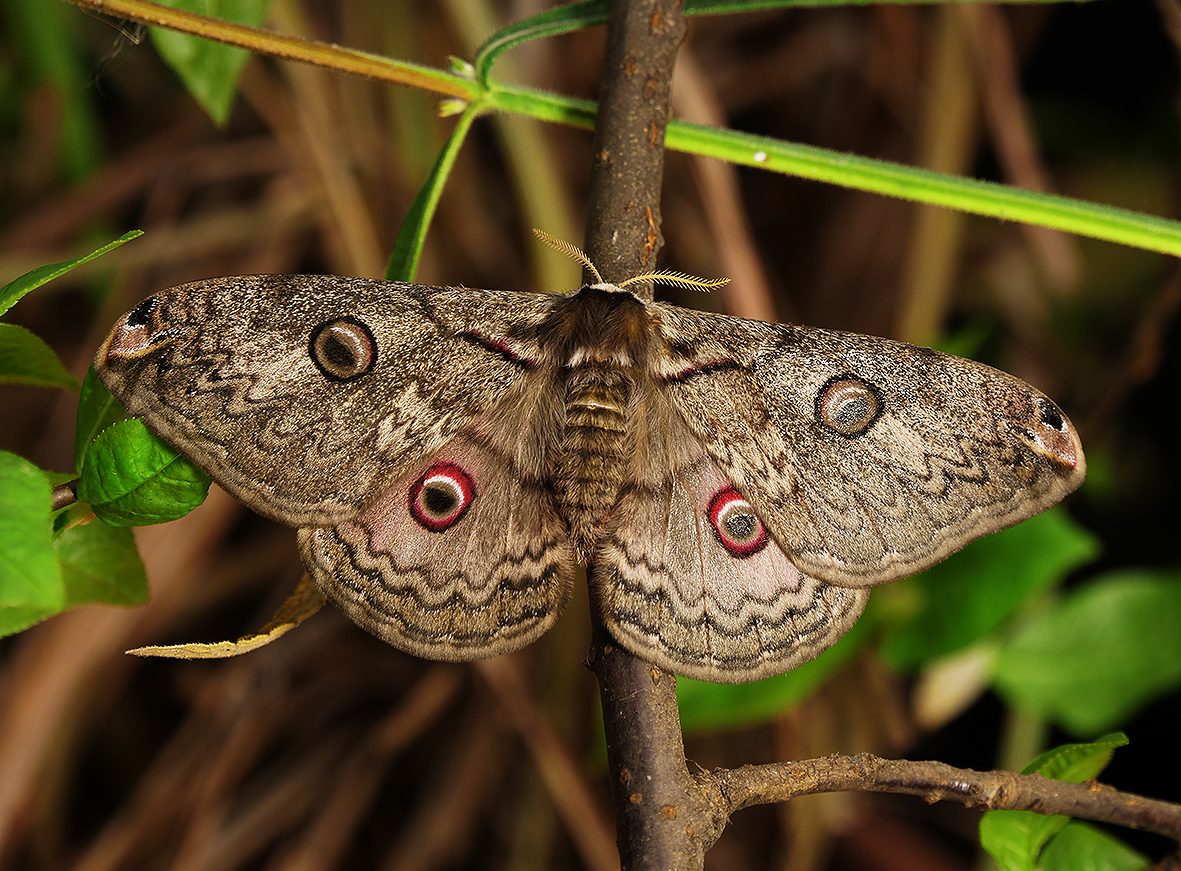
(440, 498)
(735, 523)
(848, 405)
(343, 349)
(142, 313)
(1050, 414)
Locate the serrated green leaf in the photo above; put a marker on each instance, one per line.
(973, 592)
(26, 359)
(30, 581)
(97, 410)
(132, 478)
(100, 563)
(706, 705)
(19, 287)
(1074, 763)
(209, 69)
(1083, 847)
(1101, 653)
(1016, 839)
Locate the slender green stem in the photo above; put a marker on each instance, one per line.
(1097, 221)
(924, 186)
(265, 42)
(572, 17)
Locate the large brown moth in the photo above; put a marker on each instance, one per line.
(447, 454)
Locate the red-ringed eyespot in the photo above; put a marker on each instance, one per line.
(848, 405)
(343, 349)
(441, 496)
(737, 527)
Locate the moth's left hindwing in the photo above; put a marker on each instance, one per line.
(306, 396)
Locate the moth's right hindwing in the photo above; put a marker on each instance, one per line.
(462, 558)
(689, 578)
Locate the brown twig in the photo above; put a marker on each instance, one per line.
(935, 781)
(64, 495)
(623, 212)
(663, 819)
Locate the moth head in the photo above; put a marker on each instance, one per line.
(661, 276)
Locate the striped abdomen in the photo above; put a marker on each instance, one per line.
(593, 451)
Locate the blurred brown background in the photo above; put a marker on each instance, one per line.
(327, 749)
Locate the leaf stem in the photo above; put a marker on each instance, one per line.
(297, 48)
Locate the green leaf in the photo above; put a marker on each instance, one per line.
(131, 478)
(1100, 654)
(973, 592)
(1074, 763)
(1083, 847)
(404, 258)
(18, 287)
(30, 582)
(715, 706)
(100, 563)
(209, 69)
(1016, 839)
(97, 410)
(26, 359)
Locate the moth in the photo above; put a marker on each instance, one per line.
(447, 455)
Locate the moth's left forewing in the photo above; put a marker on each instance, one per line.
(868, 459)
(306, 395)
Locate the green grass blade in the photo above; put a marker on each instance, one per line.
(412, 234)
(1094, 220)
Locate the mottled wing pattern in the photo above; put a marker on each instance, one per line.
(222, 369)
(676, 592)
(481, 575)
(953, 451)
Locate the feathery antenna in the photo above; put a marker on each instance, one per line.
(570, 250)
(664, 276)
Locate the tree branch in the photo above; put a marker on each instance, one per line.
(935, 781)
(666, 817)
(663, 817)
(623, 212)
